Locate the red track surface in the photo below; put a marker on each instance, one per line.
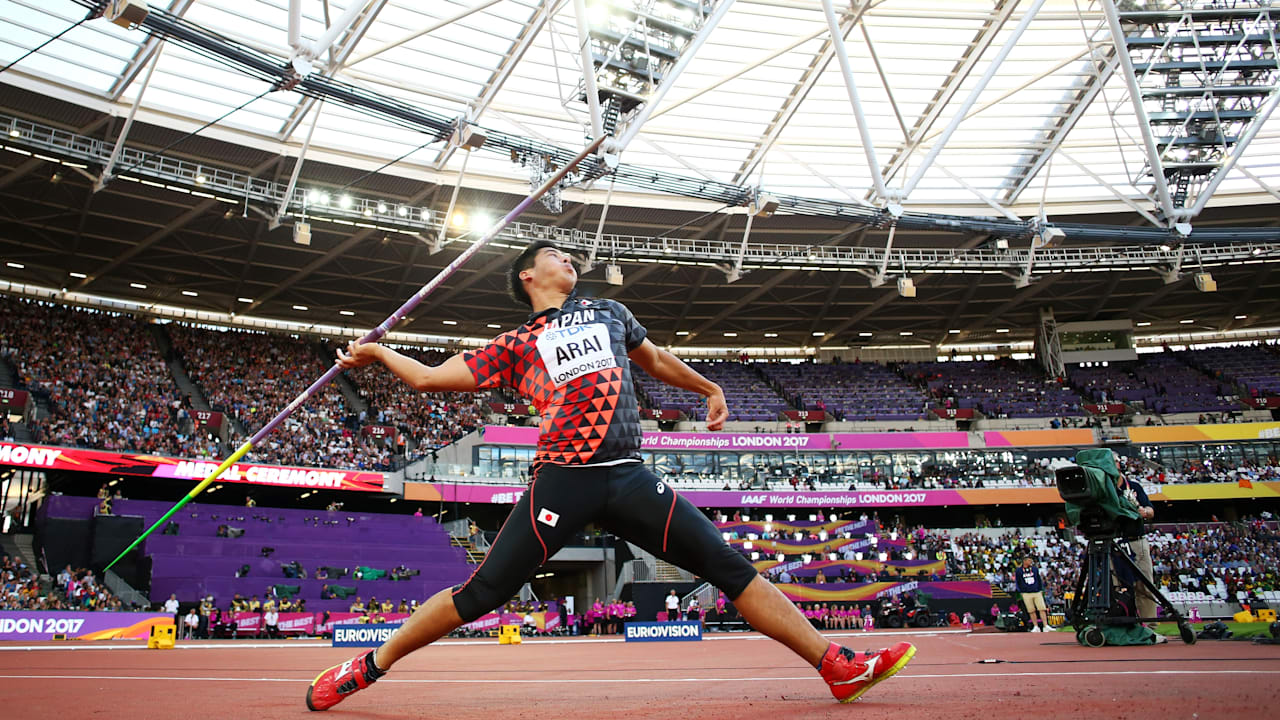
(1044, 676)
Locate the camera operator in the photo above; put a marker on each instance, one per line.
(1133, 493)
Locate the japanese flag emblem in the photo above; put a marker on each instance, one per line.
(546, 517)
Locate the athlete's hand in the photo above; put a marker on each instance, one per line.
(717, 410)
(358, 354)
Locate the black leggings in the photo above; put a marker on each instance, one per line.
(628, 501)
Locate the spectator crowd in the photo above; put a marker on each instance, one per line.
(104, 380)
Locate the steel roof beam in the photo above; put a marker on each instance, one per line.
(963, 67)
(937, 145)
(1062, 125)
(144, 55)
(355, 32)
(817, 66)
(1149, 144)
(545, 10)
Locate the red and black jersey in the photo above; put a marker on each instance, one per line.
(572, 363)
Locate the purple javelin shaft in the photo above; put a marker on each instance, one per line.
(377, 333)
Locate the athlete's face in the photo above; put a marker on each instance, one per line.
(554, 270)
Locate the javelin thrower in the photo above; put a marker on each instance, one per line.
(573, 358)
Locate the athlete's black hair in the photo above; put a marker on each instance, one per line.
(523, 262)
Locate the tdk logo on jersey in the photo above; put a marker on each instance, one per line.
(362, 635)
(663, 631)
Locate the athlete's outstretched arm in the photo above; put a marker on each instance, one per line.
(451, 375)
(673, 371)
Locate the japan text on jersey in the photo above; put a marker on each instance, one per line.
(571, 362)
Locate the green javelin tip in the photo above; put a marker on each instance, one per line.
(245, 448)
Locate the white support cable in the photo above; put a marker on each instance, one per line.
(588, 68)
(595, 246)
(424, 31)
(297, 169)
(972, 97)
(686, 55)
(1140, 111)
(878, 279)
(110, 166)
(734, 273)
(864, 130)
(453, 201)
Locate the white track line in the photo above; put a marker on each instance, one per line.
(476, 642)
(621, 681)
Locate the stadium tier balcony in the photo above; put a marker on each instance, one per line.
(1255, 369)
(851, 392)
(999, 388)
(1181, 388)
(746, 390)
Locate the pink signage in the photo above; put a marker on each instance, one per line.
(901, 440)
(505, 494)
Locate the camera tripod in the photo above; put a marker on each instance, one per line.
(1092, 607)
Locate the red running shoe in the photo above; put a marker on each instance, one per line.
(334, 685)
(850, 674)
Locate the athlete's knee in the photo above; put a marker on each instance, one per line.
(479, 595)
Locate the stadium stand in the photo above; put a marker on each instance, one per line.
(996, 388)
(252, 375)
(849, 391)
(101, 379)
(746, 389)
(425, 420)
(1255, 370)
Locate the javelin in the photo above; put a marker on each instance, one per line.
(374, 335)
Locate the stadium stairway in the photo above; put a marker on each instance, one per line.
(176, 369)
(21, 546)
(8, 375)
(668, 573)
(350, 394)
(997, 592)
(474, 556)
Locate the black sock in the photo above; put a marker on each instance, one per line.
(374, 672)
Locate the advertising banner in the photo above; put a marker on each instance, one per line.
(901, 440)
(1039, 438)
(100, 461)
(1205, 433)
(43, 625)
(809, 416)
(683, 441)
(868, 592)
(801, 502)
(363, 635)
(681, 631)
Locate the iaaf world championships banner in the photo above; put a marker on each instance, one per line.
(867, 592)
(43, 625)
(800, 501)
(99, 461)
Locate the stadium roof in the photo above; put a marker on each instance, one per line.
(761, 103)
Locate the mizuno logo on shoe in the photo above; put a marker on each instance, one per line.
(866, 674)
